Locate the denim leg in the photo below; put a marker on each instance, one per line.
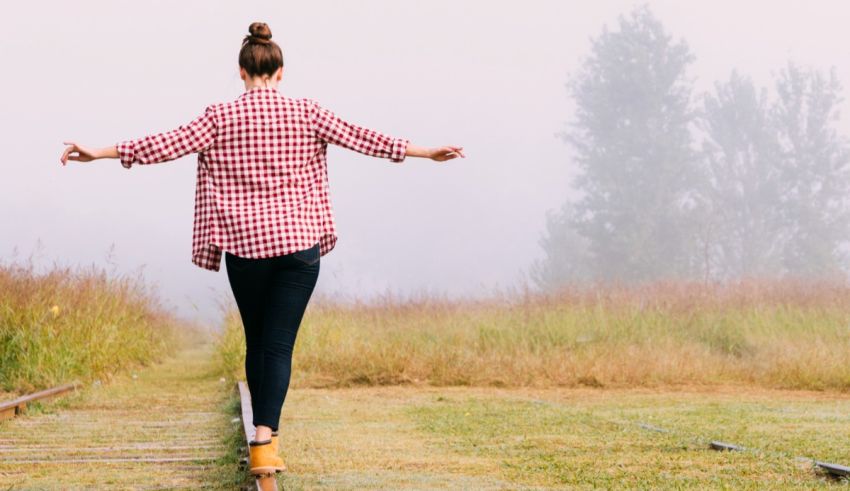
(249, 281)
(289, 290)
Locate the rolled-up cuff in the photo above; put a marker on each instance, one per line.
(126, 153)
(399, 149)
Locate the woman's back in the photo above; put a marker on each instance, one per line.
(263, 179)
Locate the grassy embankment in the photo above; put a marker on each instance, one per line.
(77, 324)
(544, 392)
(790, 335)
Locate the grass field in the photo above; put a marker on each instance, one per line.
(420, 437)
(525, 438)
(524, 392)
(550, 392)
(790, 334)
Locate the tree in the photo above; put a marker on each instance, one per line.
(566, 252)
(633, 144)
(740, 201)
(815, 170)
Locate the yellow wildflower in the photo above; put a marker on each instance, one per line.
(55, 311)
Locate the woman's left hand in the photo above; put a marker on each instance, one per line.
(441, 154)
(78, 153)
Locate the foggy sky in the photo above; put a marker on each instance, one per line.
(486, 75)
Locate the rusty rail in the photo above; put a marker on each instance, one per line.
(837, 471)
(264, 482)
(834, 470)
(10, 409)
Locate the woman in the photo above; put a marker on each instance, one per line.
(262, 200)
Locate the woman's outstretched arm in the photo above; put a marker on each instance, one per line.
(195, 136)
(440, 154)
(80, 153)
(332, 129)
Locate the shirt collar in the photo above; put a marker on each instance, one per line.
(259, 90)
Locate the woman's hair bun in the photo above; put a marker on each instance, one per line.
(260, 30)
(259, 55)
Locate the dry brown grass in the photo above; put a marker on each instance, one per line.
(781, 334)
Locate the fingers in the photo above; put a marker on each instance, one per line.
(450, 152)
(67, 154)
(456, 150)
(446, 156)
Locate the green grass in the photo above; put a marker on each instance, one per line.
(227, 473)
(601, 445)
(77, 324)
(522, 438)
(229, 351)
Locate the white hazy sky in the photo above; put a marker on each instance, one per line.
(484, 74)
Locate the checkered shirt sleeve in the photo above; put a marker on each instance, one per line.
(331, 128)
(195, 136)
(262, 182)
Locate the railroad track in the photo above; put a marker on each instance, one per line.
(833, 470)
(836, 471)
(165, 429)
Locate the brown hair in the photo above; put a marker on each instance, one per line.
(259, 54)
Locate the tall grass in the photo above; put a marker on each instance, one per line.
(230, 346)
(67, 324)
(786, 334)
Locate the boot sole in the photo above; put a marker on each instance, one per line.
(266, 469)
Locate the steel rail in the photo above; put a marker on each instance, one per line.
(836, 471)
(10, 409)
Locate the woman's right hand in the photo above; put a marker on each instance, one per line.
(438, 154)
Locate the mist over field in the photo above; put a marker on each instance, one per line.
(613, 140)
(645, 251)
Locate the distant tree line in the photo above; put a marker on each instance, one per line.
(740, 181)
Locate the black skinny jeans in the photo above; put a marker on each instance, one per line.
(272, 294)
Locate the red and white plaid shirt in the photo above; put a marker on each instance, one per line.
(262, 182)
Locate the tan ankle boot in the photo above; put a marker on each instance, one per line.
(262, 458)
(276, 446)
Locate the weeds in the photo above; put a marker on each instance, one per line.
(783, 334)
(77, 324)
